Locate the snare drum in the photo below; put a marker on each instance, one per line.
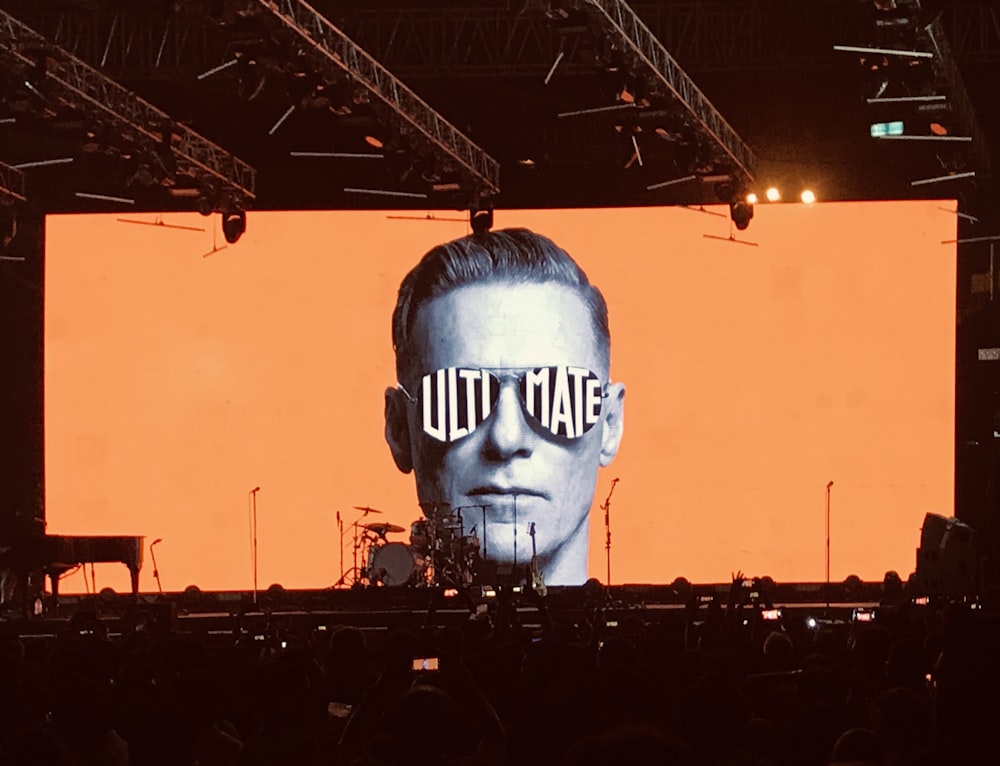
(391, 564)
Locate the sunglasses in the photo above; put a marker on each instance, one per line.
(560, 400)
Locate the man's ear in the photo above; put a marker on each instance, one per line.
(397, 429)
(613, 423)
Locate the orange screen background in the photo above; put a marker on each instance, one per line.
(175, 383)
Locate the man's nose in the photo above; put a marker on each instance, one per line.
(507, 433)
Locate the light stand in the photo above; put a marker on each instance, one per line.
(156, 570)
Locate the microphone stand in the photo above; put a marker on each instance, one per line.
(253, 538)
(156, 570)
(340, 530)
(482, 508)
(828, 485)
(515, 530)
(607, 526)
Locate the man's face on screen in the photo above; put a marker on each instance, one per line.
(538, 343)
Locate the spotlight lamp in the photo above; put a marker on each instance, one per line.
(772, 194)
(481, 220)
(751, 198)
(741, 212)
(234, 223)
(808, 196)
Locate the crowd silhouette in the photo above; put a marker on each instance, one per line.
(714, 684)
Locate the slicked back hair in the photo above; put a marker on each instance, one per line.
(508, 256)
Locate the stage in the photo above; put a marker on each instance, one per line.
(299, 612)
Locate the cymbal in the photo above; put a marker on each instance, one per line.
(366, 509)
(382, 528)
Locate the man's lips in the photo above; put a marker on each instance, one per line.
(493, 490)
(503, 502)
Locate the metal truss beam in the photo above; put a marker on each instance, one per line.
(908, 26)
(80, 86)
(629, 29)
(139, 44)
(958, 96)
(974, 31)
(480, 39)
(488, 39)
(12, 186)
(331, 49)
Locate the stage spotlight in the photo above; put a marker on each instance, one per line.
(772, 194)
(481, 220)
(204, 205)
(234, 223)
(681, 586)
(808, 196)
(741, 212)
(892, 588)
(274, 594)
(107, 596)
(191, 596)
(751, 199)
(852, 587)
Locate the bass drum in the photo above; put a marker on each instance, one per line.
(391, 564)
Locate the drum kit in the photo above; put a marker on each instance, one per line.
(440, 551)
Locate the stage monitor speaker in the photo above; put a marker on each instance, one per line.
(946, 558)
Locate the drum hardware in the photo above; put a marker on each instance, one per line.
(440, 552)
(382, 528)
(444, 553)
(356, 575)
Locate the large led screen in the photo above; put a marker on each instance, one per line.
(180, 375)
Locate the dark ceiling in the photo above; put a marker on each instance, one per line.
(767, 65)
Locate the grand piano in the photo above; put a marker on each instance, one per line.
(57, 554)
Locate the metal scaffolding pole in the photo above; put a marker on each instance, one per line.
(628, 27)
(331, 49)
(12, 186)
(80, 86)
(958, 96)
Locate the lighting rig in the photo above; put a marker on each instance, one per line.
(916, 86)
(656, 104)
(50, 98)
(289, 44)
(917, 89)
